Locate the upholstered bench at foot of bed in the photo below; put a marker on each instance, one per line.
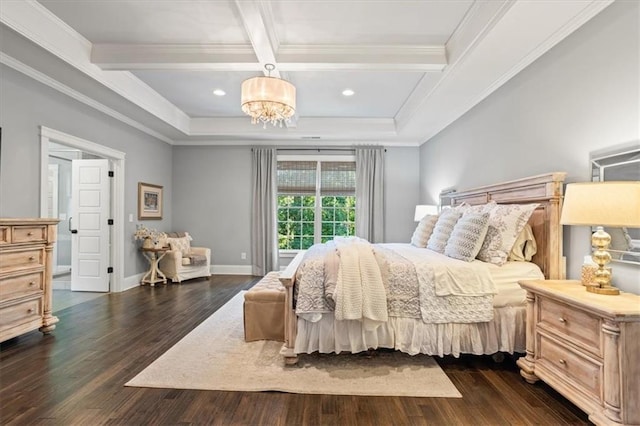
(264, 310)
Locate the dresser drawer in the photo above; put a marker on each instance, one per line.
(21, 259)
(21, 313)
(29, 234)
(571, 367)
(21, 285)
(575, 325)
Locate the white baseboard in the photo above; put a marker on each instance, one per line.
(231, 269)
(132, 281)
(61, 285)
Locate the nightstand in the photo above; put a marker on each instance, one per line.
(586, 346)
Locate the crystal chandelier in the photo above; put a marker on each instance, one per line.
(268, 99)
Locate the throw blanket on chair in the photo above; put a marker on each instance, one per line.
(360, 292)
(197, 259)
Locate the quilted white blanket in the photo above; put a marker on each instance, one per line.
(419, 283)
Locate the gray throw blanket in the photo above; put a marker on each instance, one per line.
(197, 259)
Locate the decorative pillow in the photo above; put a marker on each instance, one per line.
(467, 236)
(180, 244)
(506, 221)
(441, 232)
(525, 246)
(423, 230)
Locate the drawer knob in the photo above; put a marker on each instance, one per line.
(30, 310)
(31, 258)
(32, 283)
(29, 234)
(563, 362)
(562, 320)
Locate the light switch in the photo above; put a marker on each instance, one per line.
(130, 217)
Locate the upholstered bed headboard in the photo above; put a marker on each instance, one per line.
(545, 221)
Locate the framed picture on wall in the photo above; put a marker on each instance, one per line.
(149, 201)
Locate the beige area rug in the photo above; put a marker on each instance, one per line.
(214, 356)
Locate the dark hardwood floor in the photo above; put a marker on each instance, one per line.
(76, 375)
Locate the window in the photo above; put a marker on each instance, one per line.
(316, 201)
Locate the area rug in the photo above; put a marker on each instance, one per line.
(214, 356)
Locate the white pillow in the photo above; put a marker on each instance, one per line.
(467, 236)
(525, 246)
(441, 232)
(423, 230)
(506, 221)
(182, 245)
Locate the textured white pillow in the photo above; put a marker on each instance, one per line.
(180, 244)
(467, 236)
(441, 232)
(423, 230)
(525, 246)
(506, 221)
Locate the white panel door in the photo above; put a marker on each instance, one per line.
(90, 207)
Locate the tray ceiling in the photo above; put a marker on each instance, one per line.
(415, 66)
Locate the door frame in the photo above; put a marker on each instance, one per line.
(117, 159)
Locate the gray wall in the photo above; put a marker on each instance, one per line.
(581, 96)
(212, 197)
(25, 105)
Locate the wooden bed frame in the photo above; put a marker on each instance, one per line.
(545, 222)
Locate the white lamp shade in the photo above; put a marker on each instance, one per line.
(423, 210)
(269, 89)
(602, 204)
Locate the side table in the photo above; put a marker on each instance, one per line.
(154, 274)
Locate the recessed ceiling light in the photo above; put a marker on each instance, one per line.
(219, 92)
(348, 92)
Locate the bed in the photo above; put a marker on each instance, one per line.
(500, 314)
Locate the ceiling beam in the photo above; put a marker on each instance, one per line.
(289, 58)
(173, 56)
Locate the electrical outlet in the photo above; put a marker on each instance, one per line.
(243, 255)
(130, 217)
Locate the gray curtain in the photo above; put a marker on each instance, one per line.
(370, 194)
(264, 225)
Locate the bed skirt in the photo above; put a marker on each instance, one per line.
(505, 333)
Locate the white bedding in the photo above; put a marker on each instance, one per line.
(504, 333)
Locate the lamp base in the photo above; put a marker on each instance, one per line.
(612, 291)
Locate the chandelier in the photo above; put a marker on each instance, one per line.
(268, 99)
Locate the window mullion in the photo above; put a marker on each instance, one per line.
(317, 225)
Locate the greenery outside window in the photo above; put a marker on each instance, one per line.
(316, 202)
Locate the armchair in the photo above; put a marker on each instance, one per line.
(183, 262)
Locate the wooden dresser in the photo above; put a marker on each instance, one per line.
(26, 250)
(586, 346)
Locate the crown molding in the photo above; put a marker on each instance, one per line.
(477, 23)
(66, 90)
(329, 128)
(524, 32)
(35, 22)
(320, 144)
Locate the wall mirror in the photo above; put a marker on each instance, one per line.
(616, 165)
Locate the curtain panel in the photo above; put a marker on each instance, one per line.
(370, 194)
(264, 205)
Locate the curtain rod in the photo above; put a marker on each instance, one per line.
(316, 149)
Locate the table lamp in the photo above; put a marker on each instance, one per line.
(602, 204)
(423, 210)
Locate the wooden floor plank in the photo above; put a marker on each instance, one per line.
(77, 374)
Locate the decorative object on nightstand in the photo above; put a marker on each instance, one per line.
(585, 347)
(602, 204)
(588, 272)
